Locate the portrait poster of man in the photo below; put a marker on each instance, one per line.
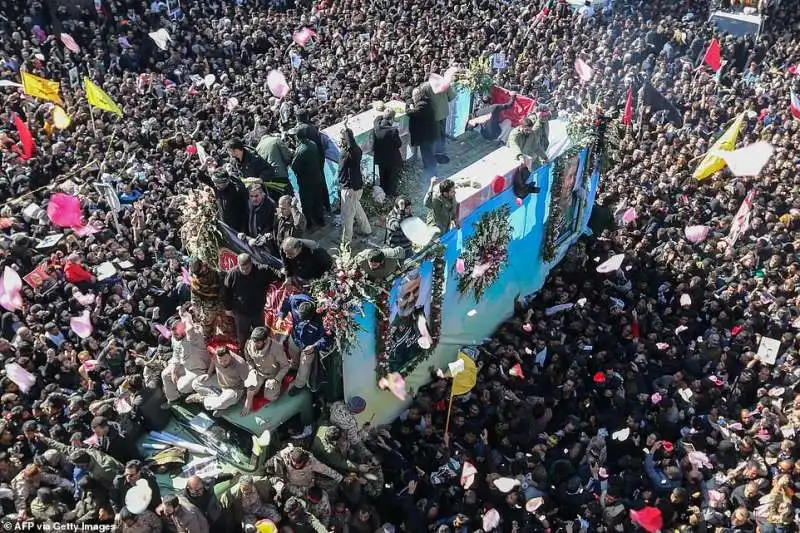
(409, 312)
(567, 199)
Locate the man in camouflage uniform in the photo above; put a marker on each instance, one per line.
(294, 470)
(342, 415)
(251, 500)
(319, 505)
(332, 448)
(26, 483)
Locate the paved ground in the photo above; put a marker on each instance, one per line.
(463, 152)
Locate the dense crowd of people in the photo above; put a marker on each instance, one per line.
(643, 407)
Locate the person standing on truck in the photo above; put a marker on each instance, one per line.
(244, 295)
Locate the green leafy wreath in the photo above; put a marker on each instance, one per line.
(485, 252)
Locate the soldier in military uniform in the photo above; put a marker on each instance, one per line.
(294, 470)
(319, 505)
(206, 295)
(251, 501)
(268, 366)
(342, 415)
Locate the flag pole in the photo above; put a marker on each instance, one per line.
(449, 410)
(94, 127)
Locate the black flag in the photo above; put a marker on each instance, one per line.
(260, 254)
(657, 102)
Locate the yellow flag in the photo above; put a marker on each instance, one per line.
(61, 119)
(98, 97)
(464, 378)
(41, 88)
(727, 142)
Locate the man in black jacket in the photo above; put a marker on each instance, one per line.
(134, 471)
(386, 151)
(231, 196)
(111, 441)
(251, 165)
(244, 295)
(260, 212)
(202, 496)
(304, 260)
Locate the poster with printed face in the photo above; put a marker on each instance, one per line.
(409, 317)
(568, 200)
(174, 9)
(768, 350)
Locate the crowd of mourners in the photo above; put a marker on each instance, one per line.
(643, 407)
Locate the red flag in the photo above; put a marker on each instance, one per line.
(25, 138)
(795, 104)
(713, 57)
(649, 518)
(516, 371)
(627, 116)
(523, 106)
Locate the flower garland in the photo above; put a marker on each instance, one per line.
(382, 326)
(340, 296)
(485, 252)
(593, 128)
(200, 232)
(596, 128)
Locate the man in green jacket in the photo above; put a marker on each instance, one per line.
(380, 263)
(441, 109)
(272, 149)
(531, 138)
(330, 448)
(441, 203)
(99, 466)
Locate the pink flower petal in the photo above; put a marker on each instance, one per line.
(81, 325)
(64, 211)
(10, 287)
